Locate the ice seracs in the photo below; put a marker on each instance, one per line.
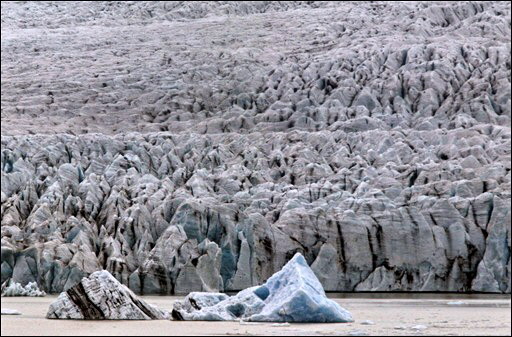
(381, 150)
(100, 296)
(293, 294)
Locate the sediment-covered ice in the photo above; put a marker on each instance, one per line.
(293, 294)
(198, 146)
(100, 296)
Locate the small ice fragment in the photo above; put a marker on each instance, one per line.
(242, 322)
(456, 303)
(10, 312)
(419, 327)
(280, 324)
(357, 333)
(400, 327)
(367, 322)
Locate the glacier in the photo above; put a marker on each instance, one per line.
(199, 145)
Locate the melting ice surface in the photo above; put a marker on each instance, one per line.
(293, 294)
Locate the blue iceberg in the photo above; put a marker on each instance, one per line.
(293, 294)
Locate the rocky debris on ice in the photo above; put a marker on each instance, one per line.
(100, 296)
(11, 288)
(6, 311)
(372, 137)
(293, 294)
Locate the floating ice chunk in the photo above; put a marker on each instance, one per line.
(419, 327)
(6, 311)
(278, 325)
(100, 296)
(11, 288)
(293, 294)
(456, 303)
(367, 322)
(250, 323)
